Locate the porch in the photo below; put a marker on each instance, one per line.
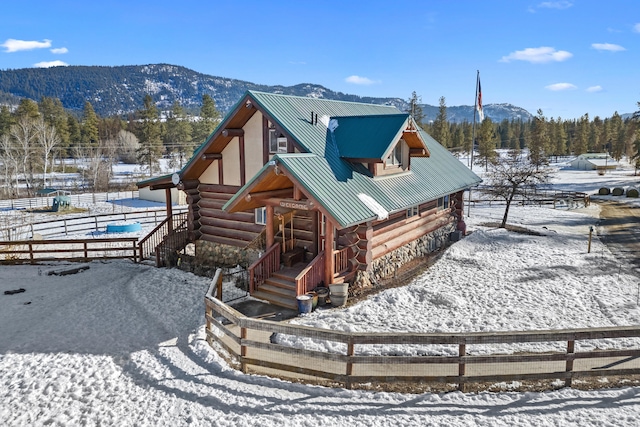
(273, 281)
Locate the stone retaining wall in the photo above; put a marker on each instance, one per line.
(387, 265)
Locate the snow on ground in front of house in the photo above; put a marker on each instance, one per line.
(123, 344)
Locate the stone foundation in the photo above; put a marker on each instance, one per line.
(219, 255)
(387, 266)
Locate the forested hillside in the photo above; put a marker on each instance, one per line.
(121, 90)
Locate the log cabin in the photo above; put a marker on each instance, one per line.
(308, 192)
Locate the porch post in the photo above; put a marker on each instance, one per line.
(269, 230)
(328, 253)
(167, 198)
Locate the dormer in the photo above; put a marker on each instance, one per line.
(385, 144)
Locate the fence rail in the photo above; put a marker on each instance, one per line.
(76, 200)
(81, 225)
(33, 251)
(250, 344)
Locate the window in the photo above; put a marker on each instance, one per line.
(413, 211)
(261, 215)
(443, 202)
(395, 158)
(277, 142)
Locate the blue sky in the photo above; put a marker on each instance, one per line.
(566, 57)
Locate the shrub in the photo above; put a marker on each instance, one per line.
(632, 192)
(618, 191)
(604, 191)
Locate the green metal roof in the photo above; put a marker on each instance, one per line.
(368, 137)
(337, 183)
(293, 114)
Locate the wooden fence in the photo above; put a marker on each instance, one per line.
(249, 342)
(33, 251)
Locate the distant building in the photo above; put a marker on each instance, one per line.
(594, 161)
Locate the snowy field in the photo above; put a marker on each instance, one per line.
(123, 344)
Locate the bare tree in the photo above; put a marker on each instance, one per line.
(23, 133)
(9, 165)
(47, 138)
(514, 175)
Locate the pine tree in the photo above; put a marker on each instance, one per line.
(485, 137)
(540, 141)
(440, 128)
(177, 139)
(209, 119)
(149, 135)
(415, 109)
(89, 129)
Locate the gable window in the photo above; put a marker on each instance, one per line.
(413, 211)
(277, 142)
(261, 216)
(395, 158)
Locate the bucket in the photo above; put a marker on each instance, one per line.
(338, 300)
(340, 289)
(323, 293)
(305, 304)
(314, 299)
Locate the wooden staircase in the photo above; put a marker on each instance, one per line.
(280, 288)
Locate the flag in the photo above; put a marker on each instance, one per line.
(479, 105)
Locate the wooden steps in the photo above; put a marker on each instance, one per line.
(280, 289)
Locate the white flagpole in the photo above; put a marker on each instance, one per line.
(473, 134)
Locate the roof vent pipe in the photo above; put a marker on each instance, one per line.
(311, 118)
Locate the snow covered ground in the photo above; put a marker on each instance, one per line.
(123, 344)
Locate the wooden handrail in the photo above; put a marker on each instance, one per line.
(311, 276)
(264, 267)
(341, 260)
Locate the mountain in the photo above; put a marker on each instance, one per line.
(121, 90)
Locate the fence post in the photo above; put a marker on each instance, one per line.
(86, 252)
(462, 368)
(350, 353)
(31, 253)
(243, 349)
(65, 227)
(219, 288)
(570, 356)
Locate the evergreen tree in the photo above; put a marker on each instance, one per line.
(89, 129)
(581, 136)
(540, 141)
(209, 119)
(415, 109)
(6, 120)
(27, 108)
(617, 136)
(149, 135)
(177, 139)
(485, 137)
(440, 127)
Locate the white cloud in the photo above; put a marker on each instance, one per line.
(357, 80)
(59, 50)
(608, 46)
(563, 4)
(49, 64)
(13, 45)
(636, 28)
(561, 86)
(538, 55)
(596, 88)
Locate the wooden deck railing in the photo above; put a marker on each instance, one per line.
(33, 251)
(248, 342)
(151, 241)
(264, 267)
(341, 260)
(311, 276)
